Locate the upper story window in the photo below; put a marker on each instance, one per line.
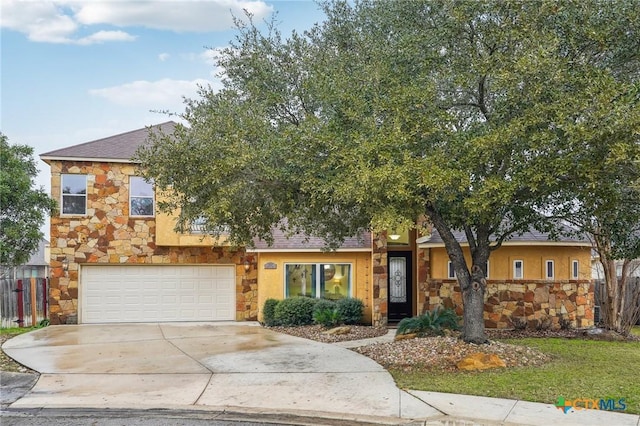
(549, 270)
(518, 269)
(140, 197)
(74, 194)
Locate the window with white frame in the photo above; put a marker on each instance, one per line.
(74, 194)
(451, 271)
(518, 269)
(319, 280)
(549, 270)
(575, 269)
(140, 197)
(487, 269)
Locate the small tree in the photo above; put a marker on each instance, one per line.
(23, 208)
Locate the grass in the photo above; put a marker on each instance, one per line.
(636, 330)
(16, 330)
(580, 369)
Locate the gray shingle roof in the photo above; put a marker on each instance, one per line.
(119, 147)
(531, 236)
(302, 242)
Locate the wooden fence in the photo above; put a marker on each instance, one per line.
(23, 302)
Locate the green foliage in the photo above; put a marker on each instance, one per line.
(350, 310)
(324, 304)
(269, 312)
(23, 208)
(295, 311)
(327, 316)
(432, 323)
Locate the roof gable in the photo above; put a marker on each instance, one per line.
(120, 147)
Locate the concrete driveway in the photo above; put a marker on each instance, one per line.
(208, 366)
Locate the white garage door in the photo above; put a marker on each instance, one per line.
(141, 293)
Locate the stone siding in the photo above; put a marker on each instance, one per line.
(108, 235)
(511, 304)
(380, 308)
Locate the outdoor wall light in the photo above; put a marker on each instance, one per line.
(248, 263)
(65, 265)
(394, 236)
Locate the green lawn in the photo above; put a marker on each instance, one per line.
(580, 369)
(16, 330)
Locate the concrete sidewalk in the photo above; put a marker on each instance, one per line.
(244, 368)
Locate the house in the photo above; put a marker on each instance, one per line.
(115, 258)
(36, 267)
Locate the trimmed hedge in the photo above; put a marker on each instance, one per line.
(269, 312)
(295, 311)
(350, 310)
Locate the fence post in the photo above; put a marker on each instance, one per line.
(20, 299)
(44, 298)
(34, 302)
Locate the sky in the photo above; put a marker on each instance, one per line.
(76, 71)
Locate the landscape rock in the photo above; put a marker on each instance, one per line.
(405, 336)
(481, 361)
(339, 330)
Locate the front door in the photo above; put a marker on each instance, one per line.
(399, 285)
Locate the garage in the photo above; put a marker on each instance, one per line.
(156, 293)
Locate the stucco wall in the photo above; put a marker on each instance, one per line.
(272, 281)
(107, 234)
(533, 256)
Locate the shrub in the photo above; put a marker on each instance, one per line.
(295, 311)
(324, 304)
(519, 323)
(350, 310)
(269, 312)
(432, 323)
(327, 316)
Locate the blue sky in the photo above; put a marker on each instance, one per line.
(75, 71)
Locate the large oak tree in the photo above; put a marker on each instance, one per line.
(391, 110)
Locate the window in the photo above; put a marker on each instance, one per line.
(451, 271)
(140, 197)
(74, 194)
(518, 269)
(320, 280)
(487, 269)
(575, 269)
(549, 270)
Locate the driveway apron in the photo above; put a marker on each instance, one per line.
(208, 366)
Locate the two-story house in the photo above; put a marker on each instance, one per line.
(115, 258)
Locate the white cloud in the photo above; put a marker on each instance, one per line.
(154, 95)
(105, 36)
(163, 57)
(58, 21)
(179, 16)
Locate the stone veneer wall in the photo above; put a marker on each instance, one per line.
(539, 303)
(379, 308)
(107, 235)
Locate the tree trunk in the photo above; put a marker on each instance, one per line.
(617, 305)
(472, 285)
(473, 299)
